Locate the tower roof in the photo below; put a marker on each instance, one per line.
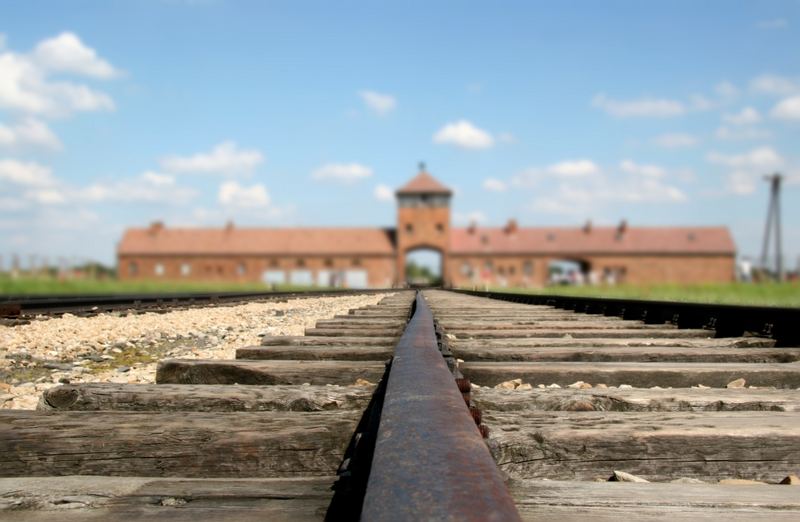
(424, 183)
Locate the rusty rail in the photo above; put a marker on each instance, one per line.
(430, 461)
(15, 306)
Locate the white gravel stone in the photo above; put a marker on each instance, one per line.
(198, 333)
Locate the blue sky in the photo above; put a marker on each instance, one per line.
(115, 114)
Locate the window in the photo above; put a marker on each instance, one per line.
(301, 262)
(424, 200)
(158, 269)
(241, 269)
(440, 227)
(356, 261)
(301, 278)
(466, 269)
(273, 277)
(220, 269)
(409, 228)
(527, 268)
(512, 270)
(133, 268)
(329, 262)
(273, 263)
(186, 269)
(501, 270)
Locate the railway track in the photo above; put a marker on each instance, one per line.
(17, 310)
(429, 406)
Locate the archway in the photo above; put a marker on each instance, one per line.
(570, 272)
(423, 267)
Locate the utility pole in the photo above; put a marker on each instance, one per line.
(774, 214)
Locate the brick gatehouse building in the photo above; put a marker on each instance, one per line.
(470, 256)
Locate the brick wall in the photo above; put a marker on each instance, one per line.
(532, 271)
(380, 269)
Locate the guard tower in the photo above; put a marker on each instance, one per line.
(423, 219)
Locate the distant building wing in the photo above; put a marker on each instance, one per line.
(160, 240)
(593, 240)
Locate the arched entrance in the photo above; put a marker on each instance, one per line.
(570, 272)
(423, 267)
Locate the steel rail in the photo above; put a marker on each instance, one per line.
(780, 323)
(430, 461)
(56, 304)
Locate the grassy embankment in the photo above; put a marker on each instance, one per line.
(50, 285)
(762, 294)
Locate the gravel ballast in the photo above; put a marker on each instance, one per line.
(125, 349)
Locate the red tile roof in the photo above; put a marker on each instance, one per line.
(159, 240)
(257, 241)
(597, 240)
(424, 183)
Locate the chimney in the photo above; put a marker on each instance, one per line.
(511, 226)
(155, 227)
(473, 226)
(229, 226)
(587, 227)
(622, 228)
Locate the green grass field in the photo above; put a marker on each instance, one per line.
(763, 294)
(48, 285)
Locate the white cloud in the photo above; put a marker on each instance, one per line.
(787, 109)
(477, 217)
(726, 90)
(582, 200)
(12, 204)
(494, 185)
(148, 187)
(46, 196)
(747, 168)
(29, 132)
(761, 158)
(379, 103)
(342, 172)
(506, 137)
(463, 134)
(232, 193)
(698, 102)
(630, 183)
(747, 116)
(158, 180)
(383, 193)
(67, 53)
(225, 158)
(568, 169)
(741, 183)
(638, 169)
(642, 107)
(675, 140)
(774, 85)
(740, 133)
(26, 174)
(773, 23)
(26, 85)
(574, 168)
